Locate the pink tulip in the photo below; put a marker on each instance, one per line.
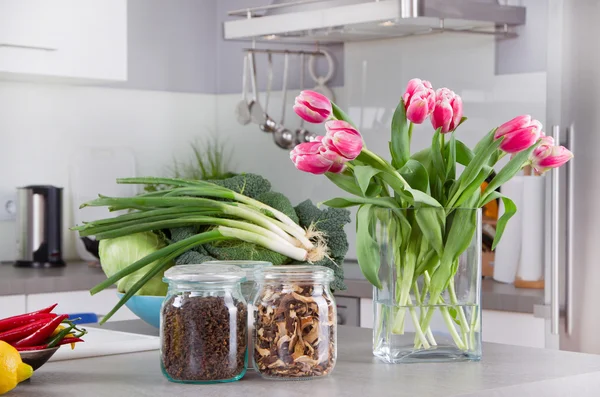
(419, 100)
(313, 157)
(519, 134)
(545, 157)
(343, 139)
(313, 107)
(338, 163)
(448, 110)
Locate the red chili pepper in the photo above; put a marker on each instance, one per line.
(23, 331)
(15, 321)
(65, 341)
(26, 320)
(42, 333)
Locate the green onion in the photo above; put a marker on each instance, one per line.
(222, 213)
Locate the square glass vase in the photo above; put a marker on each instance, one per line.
(428, 309)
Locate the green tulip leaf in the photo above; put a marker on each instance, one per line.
(510, 209)
(416, 175)
(450, 156)
(436, 155)
(431, 222)
(479, 160)
(345, 202)
(363, 175)
(400, 143)
(340, 114)
(464, 155)
(510, 169)
(367, 248)
(345, 182)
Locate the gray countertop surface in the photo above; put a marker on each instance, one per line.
(75, 276)
(80, 276)
(505, 371)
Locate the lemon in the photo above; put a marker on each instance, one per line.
(12, 369)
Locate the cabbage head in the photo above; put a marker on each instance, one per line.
(118, 253)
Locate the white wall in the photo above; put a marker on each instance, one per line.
(42, 126)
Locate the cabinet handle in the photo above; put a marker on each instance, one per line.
(569, 230)
(28, 47)
(554, 241)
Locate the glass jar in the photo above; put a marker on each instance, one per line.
(295, 322)
(248, 290)
(250, 267)
(203, 328)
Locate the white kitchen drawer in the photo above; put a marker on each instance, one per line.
(80, 302)
(12, 305)
(80, 39)
(520, 329)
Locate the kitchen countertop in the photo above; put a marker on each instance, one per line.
(79, 276)
(504, 371)
(76, 276)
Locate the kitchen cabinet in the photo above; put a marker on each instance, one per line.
(81, 302)
(72, 39)
(12, 305)
(519, 329)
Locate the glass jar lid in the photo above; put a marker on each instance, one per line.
(294, 273)
(202, 273)
(250, 267)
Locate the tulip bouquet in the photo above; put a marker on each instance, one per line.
(420, 197)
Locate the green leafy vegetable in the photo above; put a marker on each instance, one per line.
(118, 253)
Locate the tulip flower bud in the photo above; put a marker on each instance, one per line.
(343, 138)
(547, 156)
(313, 107)
(519, 134)
(419, 100)
(448, 110)
(315, 158)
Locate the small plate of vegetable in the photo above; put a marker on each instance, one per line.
(38, 335)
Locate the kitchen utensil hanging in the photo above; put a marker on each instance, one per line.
(283, 137)
(242, 111)
(302, 134)
(269, 125)
(321, 81)
(257, 114)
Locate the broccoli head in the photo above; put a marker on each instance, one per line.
(331, 222)
(279, 202)
(250, 185)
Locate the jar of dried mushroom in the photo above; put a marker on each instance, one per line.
(295, 322)
(204, 329)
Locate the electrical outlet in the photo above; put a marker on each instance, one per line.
(8, 207)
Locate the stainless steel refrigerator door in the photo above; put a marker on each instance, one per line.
(574, 104)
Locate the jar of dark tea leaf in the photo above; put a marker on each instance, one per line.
(295, 322)
(204, 324)
(248, 290)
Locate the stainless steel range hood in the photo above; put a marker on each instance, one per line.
(334, 21)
